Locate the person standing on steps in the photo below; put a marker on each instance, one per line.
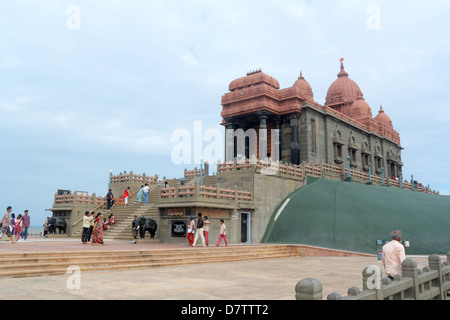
(109, 200)
(199, 232)
(134, 227)
(91, 225)
(126, 195)
(18, 226)
(146, 191)
(191, 230)
(222, 233)
(140, 195)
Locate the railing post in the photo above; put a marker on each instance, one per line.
(308, 289)
(372, 280)
(196, 190)
(409, 270)
(434, 261)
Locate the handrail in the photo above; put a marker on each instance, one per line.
(101, 205)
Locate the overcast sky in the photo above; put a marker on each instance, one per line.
(92, 86)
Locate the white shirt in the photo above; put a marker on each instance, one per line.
(146, 189)
(392, 257)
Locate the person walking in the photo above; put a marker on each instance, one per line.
(206, 224)
(199, 232)
(45, 228)
(191, 231)
(222, 233)
(146, 191)
(26, 225)
(97, 234)
(18, 224)
(86, 228)
(126, 195)
(393, 255)
(6, 224)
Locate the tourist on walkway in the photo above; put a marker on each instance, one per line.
(6, 224)
(18, 226)
(26, 225)
(191, 231)
(97, 234)
(146, 190)
(86, 228)
(45, 229)
(222, 233)
(126, 195)
(206, 224)
(140, 195)
(393, 255)
(199, 232)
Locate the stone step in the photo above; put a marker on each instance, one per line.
(47, 263)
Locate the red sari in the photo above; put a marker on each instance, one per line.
(97, 233)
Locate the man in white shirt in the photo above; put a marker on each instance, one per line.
(393, 255)
(146, 190)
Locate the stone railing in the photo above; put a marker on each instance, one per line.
(431, 283)
(131, 177)
(190, 174)
(316, 170)
(78, 197)
(197, 191)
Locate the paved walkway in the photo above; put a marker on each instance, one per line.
(273, 279)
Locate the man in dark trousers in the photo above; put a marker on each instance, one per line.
(199, 232)
(109, 199)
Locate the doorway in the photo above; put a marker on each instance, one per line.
(246, 227)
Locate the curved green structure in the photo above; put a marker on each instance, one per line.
(351, 216)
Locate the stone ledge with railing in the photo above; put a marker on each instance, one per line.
(203, 193)
(300, 172)
(430, 283)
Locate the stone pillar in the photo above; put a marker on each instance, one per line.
(409, 270)
(229, 142)
(276, 143)
(295, 147)
(434, 261)
(308, 289)
(262, 137)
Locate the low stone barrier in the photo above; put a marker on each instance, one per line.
(431, 283)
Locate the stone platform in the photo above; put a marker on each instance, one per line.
(268, 279)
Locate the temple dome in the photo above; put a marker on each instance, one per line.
(304, 87)
(343, 90)
(254, 78)
(383, 118)
(360, 109)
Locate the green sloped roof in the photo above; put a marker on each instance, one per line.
(352, 216)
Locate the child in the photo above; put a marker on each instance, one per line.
(222, 233)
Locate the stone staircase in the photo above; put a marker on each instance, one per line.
(121, 230)
(28, 264)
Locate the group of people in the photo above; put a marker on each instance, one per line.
(201, 229)
(15, 227)
(93, 226)
(142, 195)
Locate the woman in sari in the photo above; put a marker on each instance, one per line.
(140, 195)
(125, 196)
(18, 226)
(97, 232)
